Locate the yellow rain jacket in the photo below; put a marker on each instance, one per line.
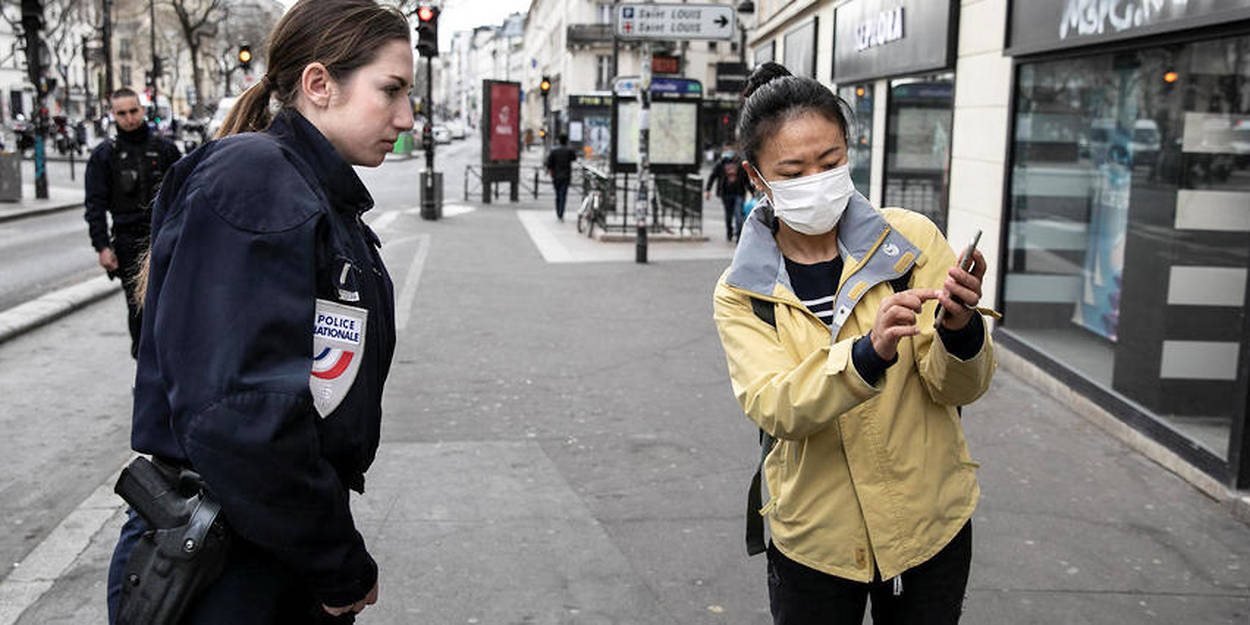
(861, 475)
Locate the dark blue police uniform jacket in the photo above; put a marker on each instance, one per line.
(248, 232)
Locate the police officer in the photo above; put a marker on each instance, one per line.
(268, 319)
(123, 175)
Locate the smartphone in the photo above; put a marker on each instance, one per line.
(965, 263)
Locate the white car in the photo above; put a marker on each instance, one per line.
(219, 116)
(457, 130)
(441, 134)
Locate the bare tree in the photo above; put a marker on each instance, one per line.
(244, 24)
(198, 20)
(59, 35)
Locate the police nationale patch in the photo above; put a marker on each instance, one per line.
(338, 346)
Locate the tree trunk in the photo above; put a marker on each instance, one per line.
(198, 109)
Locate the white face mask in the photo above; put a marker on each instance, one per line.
(812, 204)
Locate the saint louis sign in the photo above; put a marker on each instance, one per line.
(674, 21)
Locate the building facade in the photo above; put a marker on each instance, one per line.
(571, 43)
(1104, 151)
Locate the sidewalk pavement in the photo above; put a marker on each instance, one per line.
(561, 446)
(59, 198)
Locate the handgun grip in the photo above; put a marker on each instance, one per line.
(151, 495)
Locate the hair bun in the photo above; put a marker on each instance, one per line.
(763, 75)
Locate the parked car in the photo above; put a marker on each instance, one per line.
(219, 116)
(457, 130)
(441, 134)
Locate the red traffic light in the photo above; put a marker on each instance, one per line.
(425, 13)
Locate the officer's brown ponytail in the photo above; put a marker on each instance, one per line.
(343, 35)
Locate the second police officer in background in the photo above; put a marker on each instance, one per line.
(123, 175)
(269, 320)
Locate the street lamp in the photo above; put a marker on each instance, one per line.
(746, 10)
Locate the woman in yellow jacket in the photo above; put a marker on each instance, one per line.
(827, 317)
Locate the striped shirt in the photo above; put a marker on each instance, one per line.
(816, 285)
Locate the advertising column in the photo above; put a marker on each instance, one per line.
(501, 121)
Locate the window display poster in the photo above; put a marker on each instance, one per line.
(598, 135)
(575, 131)
(1098, 308)
(505, 121)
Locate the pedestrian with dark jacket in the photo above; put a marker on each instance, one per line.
(269, 322)
(731, 182)
(828, 318)
(123, 175)
(560, 168)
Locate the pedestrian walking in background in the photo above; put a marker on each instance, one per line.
(730, 180)
(123, 175)
(269, 321)
(560, 168)
(827, 317)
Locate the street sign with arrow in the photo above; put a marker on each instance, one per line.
(674, 21)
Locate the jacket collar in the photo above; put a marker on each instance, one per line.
(344, 188)
(758, 266)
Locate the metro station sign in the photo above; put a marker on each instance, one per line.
(675, 21)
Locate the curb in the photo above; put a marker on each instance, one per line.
(35, 212)
(26, 317)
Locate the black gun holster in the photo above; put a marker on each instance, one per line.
(183, 551)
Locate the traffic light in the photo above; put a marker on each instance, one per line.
(245, 57)
(545, 86)
(147, 78)
(427, 30)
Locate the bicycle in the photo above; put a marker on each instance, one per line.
(590, 212)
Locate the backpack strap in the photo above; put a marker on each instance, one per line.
(767, 312)
(755, 521)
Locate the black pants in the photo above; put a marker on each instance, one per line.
(931, 593)
(562, 194)
(130, 244)
(733, 215)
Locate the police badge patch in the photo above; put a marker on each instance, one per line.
(338, 346)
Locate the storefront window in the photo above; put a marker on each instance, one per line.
(918, 145)
(1129, 226)
(859, 144)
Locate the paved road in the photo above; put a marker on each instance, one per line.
(42, 254)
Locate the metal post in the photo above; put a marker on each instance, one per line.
(32, 23)
(108, 49)
(86, 83)
(152, 42)
(644, 138)
(428, 208)
(616, 43)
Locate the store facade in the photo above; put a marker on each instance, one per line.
(893, 63)
(1103, 148)
(1127, 212)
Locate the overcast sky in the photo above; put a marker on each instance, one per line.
(465, 14)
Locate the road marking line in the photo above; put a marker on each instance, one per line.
(543, 238)
(409, 291)
(52, 557)
(384, 220)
